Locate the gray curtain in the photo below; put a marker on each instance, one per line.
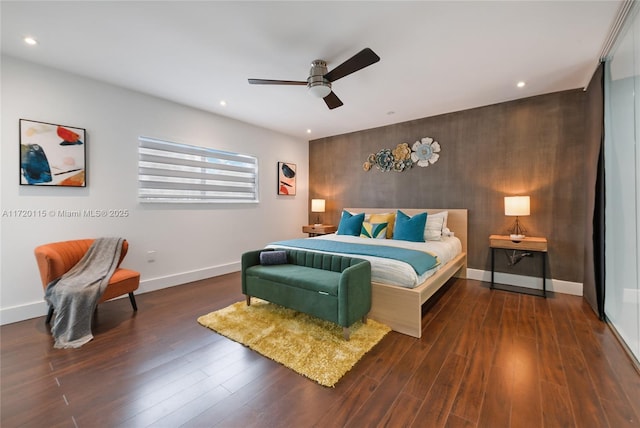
(593, 282)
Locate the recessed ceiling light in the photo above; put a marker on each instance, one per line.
(30, 41)
(223, 103)
(521, 84)
(308, 131)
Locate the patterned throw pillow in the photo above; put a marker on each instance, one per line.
(388, 218)
(374, 230)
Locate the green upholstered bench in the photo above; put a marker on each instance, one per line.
(330, 287)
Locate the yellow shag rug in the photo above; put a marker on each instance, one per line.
(310, 346)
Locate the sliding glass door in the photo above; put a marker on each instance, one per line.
(622, 183)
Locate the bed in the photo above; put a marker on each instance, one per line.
(397, 298)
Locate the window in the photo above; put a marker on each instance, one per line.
(179, 173)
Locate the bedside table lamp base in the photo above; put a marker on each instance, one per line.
(517, 231)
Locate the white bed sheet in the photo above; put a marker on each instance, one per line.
(394, 272)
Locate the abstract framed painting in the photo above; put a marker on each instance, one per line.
(286, 178)
(52, 154)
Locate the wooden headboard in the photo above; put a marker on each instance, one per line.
(456, 220)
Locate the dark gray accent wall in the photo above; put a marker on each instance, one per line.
(533, 146)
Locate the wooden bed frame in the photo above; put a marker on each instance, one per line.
(401, 308)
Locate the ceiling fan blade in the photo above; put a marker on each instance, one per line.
(276, 82)
(332, 101)
(362, 59)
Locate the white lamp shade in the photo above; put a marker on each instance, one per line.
(516, 205)
(317, 205)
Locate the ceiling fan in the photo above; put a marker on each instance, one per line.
(319, 80)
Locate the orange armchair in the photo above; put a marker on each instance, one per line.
(56, 258)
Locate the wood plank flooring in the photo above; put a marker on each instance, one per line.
(486, 359)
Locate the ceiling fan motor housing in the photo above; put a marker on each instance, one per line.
(317, 84)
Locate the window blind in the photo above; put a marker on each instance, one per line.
(179, 173)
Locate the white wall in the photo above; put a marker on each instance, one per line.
(191, 242)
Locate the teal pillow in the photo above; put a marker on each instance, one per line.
(350, 224)
(410, 228)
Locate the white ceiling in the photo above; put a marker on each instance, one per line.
(436, 57)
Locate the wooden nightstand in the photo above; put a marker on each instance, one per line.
(530, 243)
(319, 229)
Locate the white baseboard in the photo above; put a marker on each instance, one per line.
(555, 285)
(23, 312)
(158, 283)
(39, 308)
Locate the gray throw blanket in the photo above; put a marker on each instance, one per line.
(74, 296)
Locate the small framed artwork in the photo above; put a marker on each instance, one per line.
(52, 154)
(286, 178)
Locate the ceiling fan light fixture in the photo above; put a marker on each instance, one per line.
(319, 90)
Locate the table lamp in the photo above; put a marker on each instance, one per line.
(516, 206)
(317, 206)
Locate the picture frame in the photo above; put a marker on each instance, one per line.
(286, 178)
(52, 154)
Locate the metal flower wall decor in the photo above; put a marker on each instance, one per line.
(423, 153)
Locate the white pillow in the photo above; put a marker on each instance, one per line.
(433, 229)
(445, 216)
(436, 223)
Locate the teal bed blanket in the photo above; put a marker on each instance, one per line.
(419, 260)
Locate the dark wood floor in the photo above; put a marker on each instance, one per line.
(486, 359)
